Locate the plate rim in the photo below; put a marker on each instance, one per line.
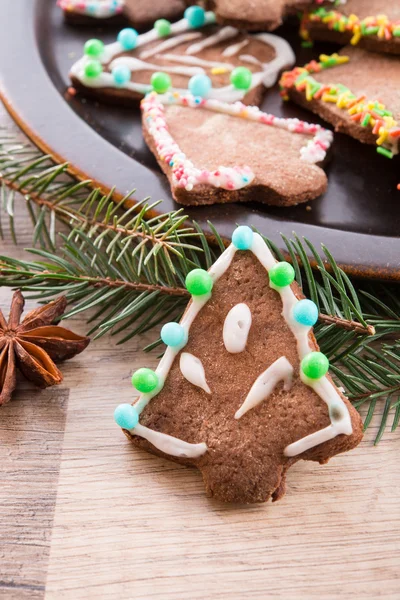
(20, 21)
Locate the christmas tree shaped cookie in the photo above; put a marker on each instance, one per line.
(371, 24)
(356, 90)
(139, 13)
(242, 391)
(216, 152)
(193, 53)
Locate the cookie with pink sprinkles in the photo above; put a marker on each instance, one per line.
(215, 152)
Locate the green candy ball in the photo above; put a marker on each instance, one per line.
(199, 282)
(282, 274)
(163, 27)
(241, 78)
(315, 365)
(161, 82)
(93, 69)
(145, 380)
(94, 48)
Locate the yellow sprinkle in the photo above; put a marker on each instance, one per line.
(329, 98)
(383, 134)
(343, 100)
(356, 35)
(219, 70)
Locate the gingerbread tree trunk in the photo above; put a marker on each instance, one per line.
(242, 391)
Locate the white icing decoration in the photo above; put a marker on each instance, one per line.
(170, 43)
(267, 75)
(135, 64)
(262, 388)
(194, 60)
(186, 175)
(284, 56)
(234, 48)
(169, 444)
(221, 36)
(236, 328)
(192, 369)
(339, 414)
(250, 59)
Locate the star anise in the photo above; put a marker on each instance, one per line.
(33, 344)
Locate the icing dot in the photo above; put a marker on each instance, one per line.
(121, 74)
(242, 237)
(145, 380)
(281, 274)
(94, 48)
(196, 16)
(200, 85)
(160, 82)
(241, 78)
(173, 334)
(305, 312)
(315, 365)
(126, 416)
(162, 27)
(336, 412)
(199, 282)
(93, 69)
(128, 38)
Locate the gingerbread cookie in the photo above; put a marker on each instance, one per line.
(242, 391)
(139, 13)
(371, 24)
(217, 152)
(356, 91)
(194, 53)
(258, 15)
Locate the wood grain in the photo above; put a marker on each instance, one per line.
(85, 515)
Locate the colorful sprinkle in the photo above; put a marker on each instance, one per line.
(128, 38)
(281, 274)
(162, 27)
(173, 334)
(145, 380)
(305, 312)
(315, 365)
(93, 69)
(126, 416)
(200, 85)
(160, 82)
(93, 48)
(199, 282)
(196, 16)
(241, 78)
(242, 237)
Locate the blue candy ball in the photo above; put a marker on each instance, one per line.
(196, 16)
(200, 85)
(121, 74)
(126, 416)
(242, 237)
(173, 334)
(128, 38)
(306, 312)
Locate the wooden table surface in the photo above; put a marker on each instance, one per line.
(83, 514)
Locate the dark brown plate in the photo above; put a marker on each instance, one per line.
(358, 218)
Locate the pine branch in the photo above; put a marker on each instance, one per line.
(125, 269)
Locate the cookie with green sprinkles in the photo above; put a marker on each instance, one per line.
(370, 24)
(242, 392)
(356, 91)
